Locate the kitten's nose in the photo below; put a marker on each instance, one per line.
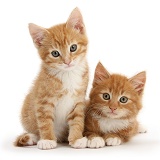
(112, 108)
(67, 61)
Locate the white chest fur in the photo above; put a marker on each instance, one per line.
(62, 109)
(113, 125)
(71, 81)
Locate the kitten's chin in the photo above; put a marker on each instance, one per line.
(112, 115)
(115, 115)
(69, 67)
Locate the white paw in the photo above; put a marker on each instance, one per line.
(47, 144)
(141, 129)
(113, 141)
(80, 143)
(96, 142)
(33, 139)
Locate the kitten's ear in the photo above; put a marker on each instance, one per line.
(75, 21)
(37, 33)
(138, 81)
(100, 74)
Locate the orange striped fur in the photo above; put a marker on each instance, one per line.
(54, 108)
(111, 114)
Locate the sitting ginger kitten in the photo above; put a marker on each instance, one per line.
(53, 110)
(113, 107)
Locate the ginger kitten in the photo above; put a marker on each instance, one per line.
(114, 104)
(54, 108)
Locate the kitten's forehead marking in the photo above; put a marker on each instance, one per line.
(124, 94)
(105, 91)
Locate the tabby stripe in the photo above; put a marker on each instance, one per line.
(45, 102)
(45, 118)
(75, 116)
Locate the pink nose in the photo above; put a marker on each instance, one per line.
(67, 62)
(112, 109)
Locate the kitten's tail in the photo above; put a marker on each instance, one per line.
(26, 139)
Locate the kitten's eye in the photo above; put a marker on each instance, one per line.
(106, 96)
(73, 48)
(55, 53)
(123, 99)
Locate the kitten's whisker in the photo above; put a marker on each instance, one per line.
(96, 107)
(97, 110)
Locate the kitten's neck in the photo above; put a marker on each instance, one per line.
(114, 125)
(56, 72)
(70, 79)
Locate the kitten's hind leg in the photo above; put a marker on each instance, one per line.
(26, 139)
(141, 129)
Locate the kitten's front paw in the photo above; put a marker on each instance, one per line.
(113, 141)
(96, 142)
(46, 144)
(80, 143)
(142, 129)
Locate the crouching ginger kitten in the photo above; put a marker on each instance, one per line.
(111, 115)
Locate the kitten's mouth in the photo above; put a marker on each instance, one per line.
(69, 66)
(112, 113)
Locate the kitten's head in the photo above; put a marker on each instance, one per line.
(62, 46)
(116, 96)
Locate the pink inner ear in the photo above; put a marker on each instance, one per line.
(37, 38)
(79, 27)
(101, 74)
(138, 82)
(75, 20)
(37, 33)
(138, 87)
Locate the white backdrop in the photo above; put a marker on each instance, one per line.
(124, 35)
